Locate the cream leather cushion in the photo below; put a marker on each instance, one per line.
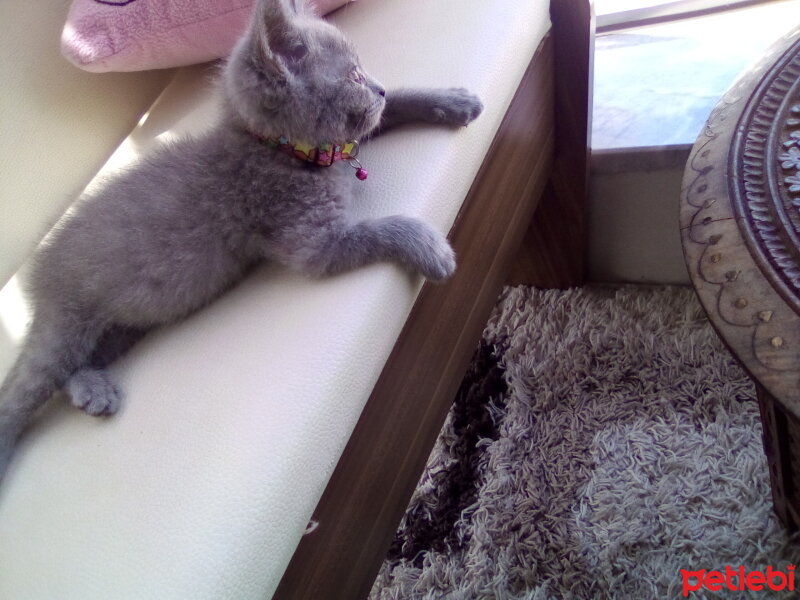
(58, 124)
(201, 487)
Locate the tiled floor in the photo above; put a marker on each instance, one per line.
(656, 85)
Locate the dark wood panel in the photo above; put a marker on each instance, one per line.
(781, 436)
(381, 465)
(553, 253)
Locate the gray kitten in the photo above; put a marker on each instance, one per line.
(183, 225)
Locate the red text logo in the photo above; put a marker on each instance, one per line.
(738, 579)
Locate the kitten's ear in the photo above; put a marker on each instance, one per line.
(277, 41)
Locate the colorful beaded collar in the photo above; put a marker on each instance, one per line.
(323, 155)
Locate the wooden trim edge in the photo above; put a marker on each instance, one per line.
(553, 254)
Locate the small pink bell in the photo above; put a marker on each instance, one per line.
(361, 172)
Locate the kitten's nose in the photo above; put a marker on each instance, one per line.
(376, 87)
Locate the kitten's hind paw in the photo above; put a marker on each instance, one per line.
(457, 106)
(93, 392)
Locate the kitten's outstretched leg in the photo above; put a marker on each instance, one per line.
(455, 106)
(402, 239)
(55, 347)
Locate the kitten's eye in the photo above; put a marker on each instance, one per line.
(357, 76)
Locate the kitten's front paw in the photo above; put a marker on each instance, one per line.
(93, 392)
(441, 263)
(435, 258)
(457, 106)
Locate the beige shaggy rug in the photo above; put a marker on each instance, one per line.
(603, 440)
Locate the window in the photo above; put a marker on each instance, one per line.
(613, 15)
(660, 68)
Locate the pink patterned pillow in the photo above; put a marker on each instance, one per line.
(134, 35)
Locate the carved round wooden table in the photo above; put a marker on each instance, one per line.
(740, 227)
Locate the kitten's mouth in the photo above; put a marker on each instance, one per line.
(372, 115)
(366, 119)
(375, 107)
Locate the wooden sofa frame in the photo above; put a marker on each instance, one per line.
(538, 162)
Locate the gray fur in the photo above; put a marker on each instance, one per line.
(172, 233)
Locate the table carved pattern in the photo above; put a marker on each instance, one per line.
(740, 228)
(740, 220)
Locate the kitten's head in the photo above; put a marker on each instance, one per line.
(293, 74)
